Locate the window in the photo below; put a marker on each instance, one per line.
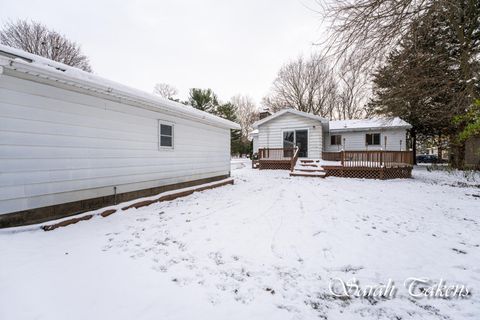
(166, 135)
(372, 139)
(336, 140)
(288, 139)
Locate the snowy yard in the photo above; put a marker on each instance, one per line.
(264, 248)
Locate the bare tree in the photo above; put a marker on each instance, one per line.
(353, 90)
(165, 90)
(367, 29)
(305, 84)
(36, 38)
(247, 113)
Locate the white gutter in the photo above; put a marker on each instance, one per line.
(371, 128)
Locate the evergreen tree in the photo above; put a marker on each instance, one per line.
(470, 121)
(229, 111)
(203, 99)
(422, 80)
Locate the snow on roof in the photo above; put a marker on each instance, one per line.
(293, 111)
(252, 134)
(365, 124)
(46, 69)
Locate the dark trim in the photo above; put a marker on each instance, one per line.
(58, 211)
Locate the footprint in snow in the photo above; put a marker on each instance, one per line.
(459, 251)
(216, 257)
(350, 269)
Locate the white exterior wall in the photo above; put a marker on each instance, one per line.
(255, 143)
(59, 146)
(270, 133)
(355, 140)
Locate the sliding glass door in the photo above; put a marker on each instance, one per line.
(297, 138)
(301, 141)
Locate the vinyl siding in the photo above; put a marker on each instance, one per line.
(355, 140)
(59, 146)
(255, 143)
(270, 134)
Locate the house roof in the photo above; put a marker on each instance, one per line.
(292, 111)
(368, 124)
(343, 125)
(55, 73)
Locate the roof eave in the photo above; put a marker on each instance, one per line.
(154, 105)
(293, 111)
(371, 128)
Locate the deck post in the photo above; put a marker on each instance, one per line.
(343, 157)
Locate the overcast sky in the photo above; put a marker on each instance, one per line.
(230, 46)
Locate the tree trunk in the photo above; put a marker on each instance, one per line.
(413, 135)
(440, 147)
(457, 158)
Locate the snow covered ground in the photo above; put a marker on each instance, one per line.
(264, 248)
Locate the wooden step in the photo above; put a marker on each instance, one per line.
(307, 174)
(308, 161)
(310, 170)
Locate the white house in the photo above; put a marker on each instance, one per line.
(71, 141)
(315, 135)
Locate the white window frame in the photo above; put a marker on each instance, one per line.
(165, 123)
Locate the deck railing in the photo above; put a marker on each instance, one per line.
(332, 156)
(277, 158)
(276, 153)
(293, 162)
(371, 159)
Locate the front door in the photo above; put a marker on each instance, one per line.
(297, 138)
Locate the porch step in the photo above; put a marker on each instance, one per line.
(309, 169)
(297, 173)
(306, 161)
(308, 165)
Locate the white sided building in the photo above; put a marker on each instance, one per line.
(314, 135)
(71, 141)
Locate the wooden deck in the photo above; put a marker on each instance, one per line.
(277, 158)
(352, 164)
(369, 164)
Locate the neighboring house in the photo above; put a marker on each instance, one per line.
(315, 135)
(72, 141)
(313, 146)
